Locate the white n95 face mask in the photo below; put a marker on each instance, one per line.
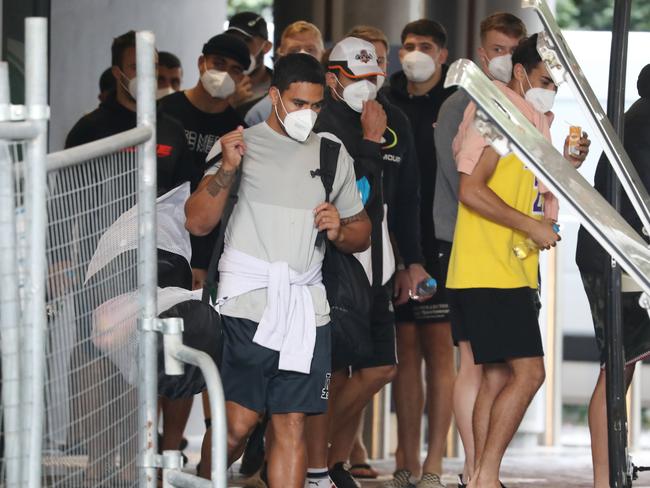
(131, 85)
(500, 67)
(418, 66)
(298, 124)
(163, 92)
(541, 99)
(219, 84)
(358, 92)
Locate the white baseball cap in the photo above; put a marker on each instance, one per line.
(355, 57)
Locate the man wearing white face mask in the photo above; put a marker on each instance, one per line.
(379, 139)
(276, 356)
(500, 33)
(205, 113)
(252, 29)
(492, 294)
(423, 332)
(299, 37)
(115, 114)
(170, 74)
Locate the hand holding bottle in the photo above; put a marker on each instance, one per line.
(543, 235)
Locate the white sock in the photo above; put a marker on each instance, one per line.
(318, 478)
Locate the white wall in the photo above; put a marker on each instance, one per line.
(81, 36)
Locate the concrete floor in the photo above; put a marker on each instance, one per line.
(539, 467)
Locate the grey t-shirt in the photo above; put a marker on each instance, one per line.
(445, 199)
(273, 219)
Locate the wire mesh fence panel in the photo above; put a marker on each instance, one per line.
(13, 269)
(92, 308)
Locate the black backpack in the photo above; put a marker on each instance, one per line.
(348, 289)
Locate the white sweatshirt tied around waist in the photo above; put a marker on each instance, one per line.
(288, 324)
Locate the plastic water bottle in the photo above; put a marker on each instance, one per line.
(425, 288)
(524, 249)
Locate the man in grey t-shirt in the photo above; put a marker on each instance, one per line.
(276, 355)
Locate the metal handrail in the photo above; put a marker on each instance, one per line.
(508, 130)
(102, 147)
(175, 350)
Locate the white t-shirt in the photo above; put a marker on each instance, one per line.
(273, 219)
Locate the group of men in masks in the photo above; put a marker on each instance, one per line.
(417, 193)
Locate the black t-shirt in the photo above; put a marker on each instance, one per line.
(390, 170)
(202, 129)
(422, 112)
(111, 118)
(590, 256)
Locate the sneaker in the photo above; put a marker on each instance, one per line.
(253, 456)
(430, 480)
(341, 477)
(460, 481)
(401, 479)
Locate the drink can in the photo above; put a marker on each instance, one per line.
(575, 133)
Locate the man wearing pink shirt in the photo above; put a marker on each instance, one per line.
(492, 292)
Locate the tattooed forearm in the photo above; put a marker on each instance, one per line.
(355, 218)
(223, 179)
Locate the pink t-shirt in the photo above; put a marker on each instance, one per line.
(468, 145)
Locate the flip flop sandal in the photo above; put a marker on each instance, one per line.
(363, 471)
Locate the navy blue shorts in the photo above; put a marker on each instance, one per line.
(251, 377)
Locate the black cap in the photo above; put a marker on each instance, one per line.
(250, 24)
(643, 83)
(230, 47)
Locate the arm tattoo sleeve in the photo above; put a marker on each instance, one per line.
(222, 179)
(355, 218)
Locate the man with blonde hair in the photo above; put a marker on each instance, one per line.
(299, 37)
(500, 33)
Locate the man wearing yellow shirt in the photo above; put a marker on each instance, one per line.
(492, 292)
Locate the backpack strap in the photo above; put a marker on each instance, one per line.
(212, 280)
(329, 158)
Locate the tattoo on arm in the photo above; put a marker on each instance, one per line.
(223, 179)
(355, 218)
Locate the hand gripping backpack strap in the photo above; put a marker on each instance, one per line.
(329, 156)
(211, 281)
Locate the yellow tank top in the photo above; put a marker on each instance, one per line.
(482, 255)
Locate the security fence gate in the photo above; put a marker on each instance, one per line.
(78, 304)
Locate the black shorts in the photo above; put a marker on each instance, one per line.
(435, 309)
(382, 334)
(251, 377)
(636, 323)
(500, 324)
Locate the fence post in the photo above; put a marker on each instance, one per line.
(9, 306)
(147, 261)
(37, 111)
